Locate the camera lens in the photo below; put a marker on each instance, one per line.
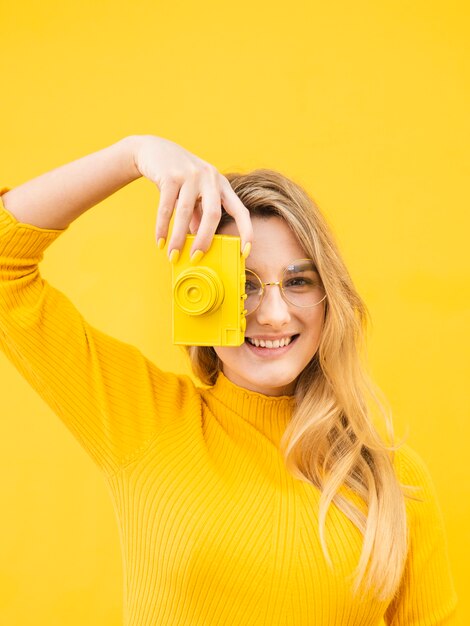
(198, 291)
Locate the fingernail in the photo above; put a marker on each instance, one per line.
(161, 243)
(196, 256)
(174, 256)
(246, 250)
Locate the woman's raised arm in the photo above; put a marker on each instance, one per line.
(189, 186)
(105, 391)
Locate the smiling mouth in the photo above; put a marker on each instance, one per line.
(266, 343)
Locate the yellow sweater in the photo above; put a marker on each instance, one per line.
(214, 530)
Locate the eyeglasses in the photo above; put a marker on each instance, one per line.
(300, 285)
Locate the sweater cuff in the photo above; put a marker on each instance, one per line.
(23, 240)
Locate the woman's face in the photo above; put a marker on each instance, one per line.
(273, 371)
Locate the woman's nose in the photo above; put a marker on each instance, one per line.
(273, 310)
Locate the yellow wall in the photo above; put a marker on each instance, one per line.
(366, 103)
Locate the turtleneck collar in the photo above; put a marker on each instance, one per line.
(268, 414)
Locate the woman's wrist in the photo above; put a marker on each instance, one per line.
(134, 146)
(128, 149)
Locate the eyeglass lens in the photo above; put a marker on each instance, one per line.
(300, 286)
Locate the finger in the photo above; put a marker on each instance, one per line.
(235, 207)
(184, 211)
(211, 212)
(168, 197)
(196, 218)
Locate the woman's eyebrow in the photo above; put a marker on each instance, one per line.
(302, 266)
(250, 266)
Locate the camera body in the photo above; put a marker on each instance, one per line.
(208, 298)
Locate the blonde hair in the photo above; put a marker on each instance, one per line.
(331, 441)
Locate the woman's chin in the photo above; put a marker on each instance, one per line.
(266, 385)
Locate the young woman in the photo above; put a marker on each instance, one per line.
(266, 497)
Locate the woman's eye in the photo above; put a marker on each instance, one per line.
(297, 282)
(250, 286)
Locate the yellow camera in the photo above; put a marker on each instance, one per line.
(208, 298)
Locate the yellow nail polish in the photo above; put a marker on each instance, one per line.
(161, 243)
(196, 256)
(174, 255)
(246, 250)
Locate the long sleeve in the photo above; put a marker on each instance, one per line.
(214, 529)
(105, 391)
(426, 596)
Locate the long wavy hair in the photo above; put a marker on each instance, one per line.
(331, 441)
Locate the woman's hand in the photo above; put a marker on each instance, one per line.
(191, 188)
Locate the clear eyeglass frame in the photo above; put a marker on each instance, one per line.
(280, 284)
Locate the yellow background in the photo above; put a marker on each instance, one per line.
(365, 103)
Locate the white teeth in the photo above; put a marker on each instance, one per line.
(277, 343)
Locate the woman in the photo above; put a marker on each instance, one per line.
(268, 497)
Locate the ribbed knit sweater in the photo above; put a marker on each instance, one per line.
(214, 530)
